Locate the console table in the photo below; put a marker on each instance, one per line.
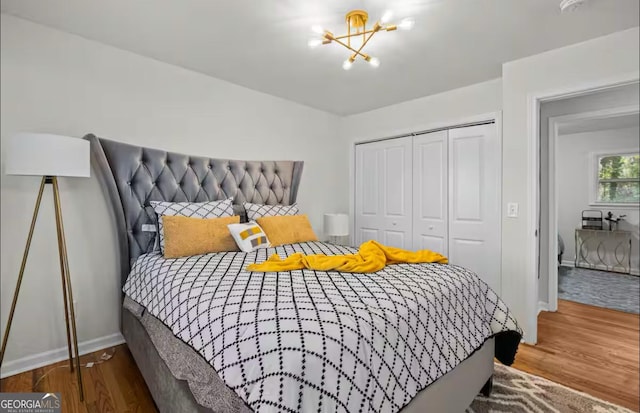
(603, 250)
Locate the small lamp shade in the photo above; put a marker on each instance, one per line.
(47, 155)
(336, 225)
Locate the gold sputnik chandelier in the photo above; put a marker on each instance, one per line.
(358, 35)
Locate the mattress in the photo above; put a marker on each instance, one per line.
(323, 341)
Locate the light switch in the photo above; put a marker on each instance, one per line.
(512, 210)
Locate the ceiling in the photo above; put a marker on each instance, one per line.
(600, 124)
(262, 44)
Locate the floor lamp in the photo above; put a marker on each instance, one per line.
(49, 156)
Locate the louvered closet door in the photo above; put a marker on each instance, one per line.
(383, 192)
(474, 201)
(430, 194)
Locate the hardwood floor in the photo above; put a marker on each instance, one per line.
(115, 385)
(590, 349)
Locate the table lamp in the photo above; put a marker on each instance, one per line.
(336, 225)
(49, 156)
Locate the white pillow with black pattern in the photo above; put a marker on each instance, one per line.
(255, 211)
(210, 209)
(248, 236)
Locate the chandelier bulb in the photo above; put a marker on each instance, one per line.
(317, 29)
(346, 65)
(314, 43)
(386, 17)
(374, 62)
(406, 24)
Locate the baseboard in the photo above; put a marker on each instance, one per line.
(34, 361)
(567, 263)
(543, 306)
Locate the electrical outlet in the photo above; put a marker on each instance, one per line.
(512, 210)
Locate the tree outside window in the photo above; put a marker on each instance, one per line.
(618, 178)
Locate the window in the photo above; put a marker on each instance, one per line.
(618, 178)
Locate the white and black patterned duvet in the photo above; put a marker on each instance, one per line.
(323, 341)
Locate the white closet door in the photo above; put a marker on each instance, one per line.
(430, 192)
(383, 192)
(474, 201)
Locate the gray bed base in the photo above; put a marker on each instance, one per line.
(169, 393)
(451, 393)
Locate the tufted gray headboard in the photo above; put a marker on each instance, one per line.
(131, 176)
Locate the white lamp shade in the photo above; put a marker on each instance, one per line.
(336, 225)
(47, 155)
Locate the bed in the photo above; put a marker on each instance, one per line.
(337, 342)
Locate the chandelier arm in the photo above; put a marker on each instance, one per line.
(356, 52)
(387, 28)
(364, 43)
(344, 36)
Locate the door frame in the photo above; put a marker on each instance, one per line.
(554, 126)
(495, 117)
(534, 100)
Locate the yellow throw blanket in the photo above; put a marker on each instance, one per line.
(371, 257)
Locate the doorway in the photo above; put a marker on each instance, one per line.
(600, 344)
(588, 146)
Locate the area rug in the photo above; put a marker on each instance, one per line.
(518, 392)
(600, 288)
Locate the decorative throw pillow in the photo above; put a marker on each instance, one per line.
(211, 209)
(287, 229)
(255, 211)
(185, 236)
(249, 236)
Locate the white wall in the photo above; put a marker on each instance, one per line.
(574, 180)
(59, 83)
(443, 109)
(576, 67)
(618, 97)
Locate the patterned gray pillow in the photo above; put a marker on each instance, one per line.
(211, 209)
(255, 211)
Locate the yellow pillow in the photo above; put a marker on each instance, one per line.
(287, 229)
(185, 236)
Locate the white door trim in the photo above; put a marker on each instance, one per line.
(400, 132)
(554, 126)
(533, 164)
